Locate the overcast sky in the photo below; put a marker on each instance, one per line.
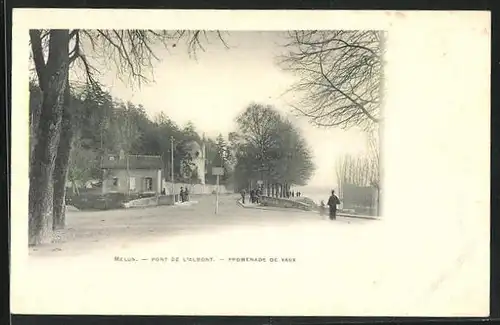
(214, 88)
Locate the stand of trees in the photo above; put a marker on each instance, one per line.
(219, 154)
(269, 148)
(361, 171)
(101, 124)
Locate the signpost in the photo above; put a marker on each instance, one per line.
(217, 171)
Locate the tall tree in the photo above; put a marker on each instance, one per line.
(257, 126)
(361, 171)
(86, 117)
(125, 127)
(35, 108)
(223, 159)
(83, 165)
(270, 148)
(62, 157)
(52, 76)
(190, 133)
(375, 165)
(339, 76)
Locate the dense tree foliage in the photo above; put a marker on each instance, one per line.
(103, 124)
(269, 148)
(265, 145)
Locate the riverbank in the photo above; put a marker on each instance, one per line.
(311, 211)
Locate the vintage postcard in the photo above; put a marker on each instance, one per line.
(287, 163)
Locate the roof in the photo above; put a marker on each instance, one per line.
(113, 161)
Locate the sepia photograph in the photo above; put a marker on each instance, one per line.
(172, 164)
(301, 138)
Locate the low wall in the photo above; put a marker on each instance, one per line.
(145, 202)
(195, 188)
(154, 201)
(151, 201)
(284, 203)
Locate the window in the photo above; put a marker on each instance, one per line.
(132, 183)
(149, 183)
(115, 181)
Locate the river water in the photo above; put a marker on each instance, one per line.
(317, 194)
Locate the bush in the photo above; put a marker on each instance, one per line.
(143, 195)
(92, 201)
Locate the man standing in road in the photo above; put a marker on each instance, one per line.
(332, 203)
(181, 194)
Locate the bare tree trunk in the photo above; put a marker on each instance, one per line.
(62, 163)
(52, 78)
(34, 121)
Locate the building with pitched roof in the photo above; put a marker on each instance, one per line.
(123, 173)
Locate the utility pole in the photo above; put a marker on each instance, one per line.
(128, 176)
(217, 196)
(172, 166)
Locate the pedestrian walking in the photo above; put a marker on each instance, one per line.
(333, 201)
(243, 193)
(186, 195)
(181, 194)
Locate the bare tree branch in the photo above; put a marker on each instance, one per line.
(345, 94)
(338, 75)
(134, 52)
(38, 58)
(75, 53)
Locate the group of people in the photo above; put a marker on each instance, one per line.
(184, 194)
(292, 194)
(333, 200)
(332, 203)
(255, 195)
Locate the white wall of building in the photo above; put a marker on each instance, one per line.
(195, 188)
